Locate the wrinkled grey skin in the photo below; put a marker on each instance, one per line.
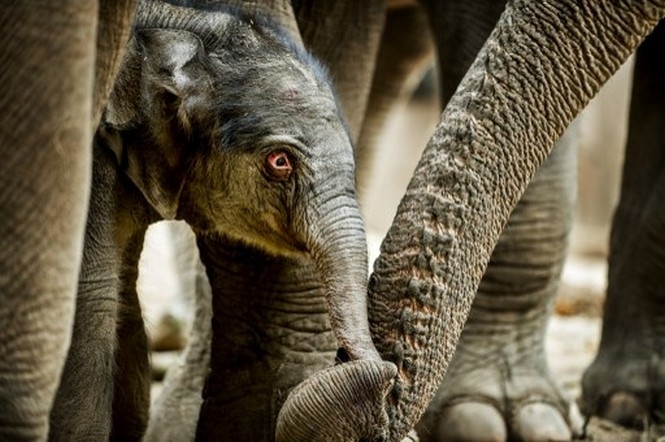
(498, 386)
(524, 88)
(473, 173)
(204, 107)
(626, 381)
(58, 62)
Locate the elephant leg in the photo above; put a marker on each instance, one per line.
(498, 385)
(132, 377)
(626, 382)
(270, 330)
(46, 75)
(174, 414)
(345, 36)
(117, 218)
(401, 62)
(82, 409)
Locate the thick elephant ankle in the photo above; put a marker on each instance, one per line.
(626, 409)
(622, 407)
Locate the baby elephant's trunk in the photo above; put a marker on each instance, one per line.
(344, 402)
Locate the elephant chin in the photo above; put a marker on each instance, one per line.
(342, 403)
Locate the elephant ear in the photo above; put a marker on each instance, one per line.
(174, 86)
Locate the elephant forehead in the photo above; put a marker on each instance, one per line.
(297, 95)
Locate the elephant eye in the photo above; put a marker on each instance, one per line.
(278, 165)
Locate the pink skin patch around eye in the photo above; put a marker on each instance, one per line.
(279, 164)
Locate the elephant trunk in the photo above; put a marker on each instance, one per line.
(497, 129)
(339, 252)
(318, 408)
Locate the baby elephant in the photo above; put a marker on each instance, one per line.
(223, 122)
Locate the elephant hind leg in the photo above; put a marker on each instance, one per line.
(626, 382)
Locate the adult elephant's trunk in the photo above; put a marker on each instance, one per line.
(338, 248)
(543, 62)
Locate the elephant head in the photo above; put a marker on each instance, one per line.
(238, 132)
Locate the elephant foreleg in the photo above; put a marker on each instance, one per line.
(82, 409)
(46, 76)
(117, 219)
(131, 396)
(498, 384)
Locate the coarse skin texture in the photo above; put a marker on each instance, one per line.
(499, 374)
(53, 86)
(625, 383)
(100, 351)
(38, 275)
(514, 102)
(270, 330)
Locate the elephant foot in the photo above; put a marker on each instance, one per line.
(498, 404)
(625, 388)
(625, 409)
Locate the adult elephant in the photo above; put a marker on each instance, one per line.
(58, 65)
(538, 68)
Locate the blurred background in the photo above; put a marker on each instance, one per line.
(574, 329)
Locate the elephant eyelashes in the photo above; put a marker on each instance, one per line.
(278, 165)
